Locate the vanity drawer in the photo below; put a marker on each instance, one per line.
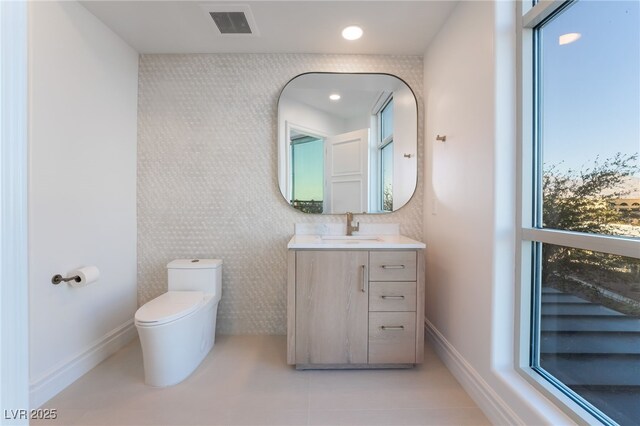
(392, 337)
(392, 296)
(392, 265)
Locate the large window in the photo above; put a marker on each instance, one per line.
(581, 178)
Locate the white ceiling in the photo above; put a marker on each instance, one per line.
(390, 27)
(358, 92)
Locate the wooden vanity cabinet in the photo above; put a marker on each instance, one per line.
(355, 308)
(331, 307)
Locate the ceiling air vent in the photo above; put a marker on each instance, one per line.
(231, 22)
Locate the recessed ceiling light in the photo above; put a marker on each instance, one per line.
(334, 96)
(352, 33)
(568, 38)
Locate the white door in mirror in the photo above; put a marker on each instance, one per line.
(346, 162)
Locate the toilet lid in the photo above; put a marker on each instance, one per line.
(169, 307)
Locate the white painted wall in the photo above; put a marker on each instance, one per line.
(82, 192)
(469, 214)
(358, 122)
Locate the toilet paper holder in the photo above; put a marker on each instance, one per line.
(57, 279)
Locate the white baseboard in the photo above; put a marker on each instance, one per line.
(494, 407)
(48, 386)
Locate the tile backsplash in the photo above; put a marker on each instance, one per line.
(207, 173)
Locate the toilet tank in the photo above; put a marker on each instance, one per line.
(195, 275)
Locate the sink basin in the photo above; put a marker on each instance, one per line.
(349, 239)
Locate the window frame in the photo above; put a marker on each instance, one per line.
(529, 232)
(382, 143)
(14, 211)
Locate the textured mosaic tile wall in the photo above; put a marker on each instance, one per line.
(207, 173)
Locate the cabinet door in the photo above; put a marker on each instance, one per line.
(331, 307)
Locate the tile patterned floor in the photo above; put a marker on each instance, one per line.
(245, 381)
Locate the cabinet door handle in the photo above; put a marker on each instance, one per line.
(364, 279)
(392, 266)
(393, 297)
(392, 327)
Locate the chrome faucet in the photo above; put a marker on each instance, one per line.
(350, 227)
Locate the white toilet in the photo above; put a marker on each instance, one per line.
(177, 329)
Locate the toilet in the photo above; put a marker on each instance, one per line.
(177, 329)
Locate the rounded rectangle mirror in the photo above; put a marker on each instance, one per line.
(347, 143)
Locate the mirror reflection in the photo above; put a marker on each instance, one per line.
(347, 143)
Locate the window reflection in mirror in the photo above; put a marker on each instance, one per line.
(347, 142)
(385, 156)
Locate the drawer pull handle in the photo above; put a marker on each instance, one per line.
(392, 266)
(364, 279)
(393, 297)
(392, 327)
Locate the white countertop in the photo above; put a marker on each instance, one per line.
(316, 242)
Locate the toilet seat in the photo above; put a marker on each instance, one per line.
(168, 307)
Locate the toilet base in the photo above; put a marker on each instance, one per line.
(172, 351)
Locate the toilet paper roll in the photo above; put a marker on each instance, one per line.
(88, 275)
